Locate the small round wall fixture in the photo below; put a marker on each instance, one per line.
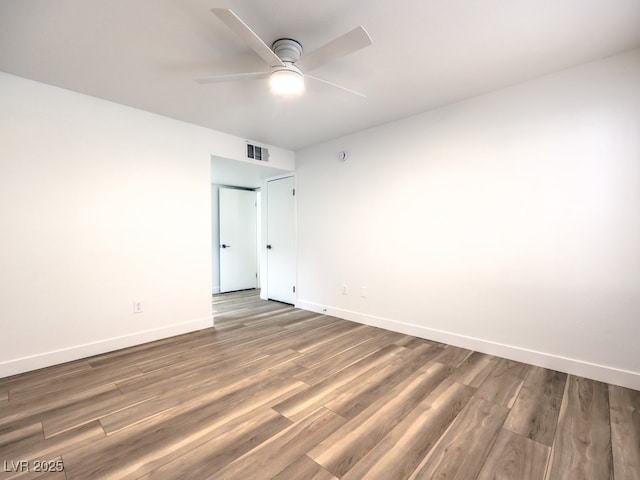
(342, 156)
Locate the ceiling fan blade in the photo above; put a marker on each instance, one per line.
(348, 43)
(237, 26)
(326, 82)
(232, 77)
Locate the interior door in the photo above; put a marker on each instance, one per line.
(238, 239)
(281, 240)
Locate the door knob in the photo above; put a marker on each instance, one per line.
(268, 247)
(224, 245)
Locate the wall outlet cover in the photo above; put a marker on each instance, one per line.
(138, 306)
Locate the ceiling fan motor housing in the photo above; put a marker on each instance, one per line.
(286, 79)
(287, 49)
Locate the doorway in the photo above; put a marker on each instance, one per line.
(235, 174)
(238, 239)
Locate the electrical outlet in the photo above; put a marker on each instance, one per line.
(345, 290)
(138, 306)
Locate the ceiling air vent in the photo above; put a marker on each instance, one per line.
(255, 152)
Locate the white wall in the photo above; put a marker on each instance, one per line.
(100, 204)
(507, 223)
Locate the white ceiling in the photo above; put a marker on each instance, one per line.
(425, 53)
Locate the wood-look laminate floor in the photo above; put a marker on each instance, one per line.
(277, 393)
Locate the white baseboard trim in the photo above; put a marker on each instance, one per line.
(55, 357)
(572, 366)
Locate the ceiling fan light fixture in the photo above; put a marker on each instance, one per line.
(286, 81)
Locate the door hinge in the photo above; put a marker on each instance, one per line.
(294, 192)
(294, 289)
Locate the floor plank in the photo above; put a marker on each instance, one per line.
(475, 369)
(625, 432)
(503, 384)
(32, 410)
(321, 337)
(536, 409)
(453, 356)
(352, 399)
(320, 354)
(273, 456)
(304, 468)
(349, 444)
(462, 450)
(339, 362)
(413, 342)
(35, 377)
(207, 459)
(18, 431)
(87, 410)
(515, 457)
(400, 452)
(84, 379)
(582, 444)
(299, 406)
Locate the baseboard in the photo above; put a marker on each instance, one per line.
(580, 368)
(55, 357)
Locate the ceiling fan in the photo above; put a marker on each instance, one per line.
(285, 60)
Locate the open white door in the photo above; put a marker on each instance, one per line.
(238, 239)
(281, 240)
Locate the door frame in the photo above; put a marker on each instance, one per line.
(215, 233)
(255, 225)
